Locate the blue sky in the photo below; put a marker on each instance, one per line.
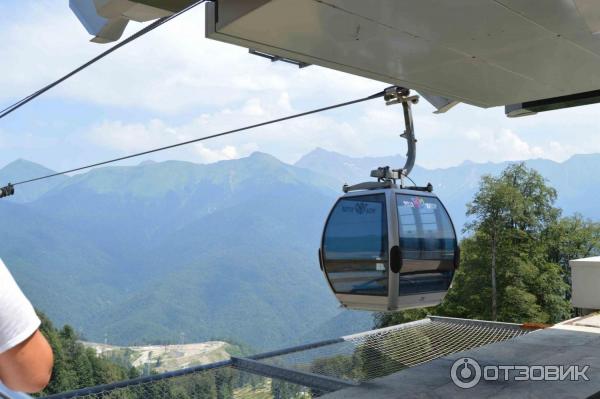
(174, 85)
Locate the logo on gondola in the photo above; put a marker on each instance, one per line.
(362, 208)
(418, 202)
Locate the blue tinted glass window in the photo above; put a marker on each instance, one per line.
(358, 278)
(357, 229)
(427, 242)
(423, 283)
(355, 246)
(425, 228)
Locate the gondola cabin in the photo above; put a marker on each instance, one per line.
(389, 248)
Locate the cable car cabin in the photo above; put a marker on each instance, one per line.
(389, 249)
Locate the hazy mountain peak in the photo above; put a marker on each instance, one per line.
(321, 154)
(259, 155)
(155, 180)
(22, 169)
(344, 168)
(147, 162)
(583, 157)
(21, 166)
(322, 151)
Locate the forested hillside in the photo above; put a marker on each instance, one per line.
(76, 366)
(142, 254)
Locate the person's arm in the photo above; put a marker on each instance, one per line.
(25, 356)
(28, 366)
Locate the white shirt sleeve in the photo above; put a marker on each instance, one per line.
(18, 320)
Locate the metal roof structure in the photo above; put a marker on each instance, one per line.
(481, 52)
(527, 55)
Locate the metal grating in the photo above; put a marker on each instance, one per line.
(362, 357)
(311, 370)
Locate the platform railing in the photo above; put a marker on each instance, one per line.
(314, 369)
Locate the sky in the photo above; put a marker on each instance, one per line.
(173, 85)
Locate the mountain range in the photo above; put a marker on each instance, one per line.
(575, 180)
(227, 251)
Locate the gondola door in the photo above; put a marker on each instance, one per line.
(356, 250)
(428, 248)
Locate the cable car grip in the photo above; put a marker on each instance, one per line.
(7, 190)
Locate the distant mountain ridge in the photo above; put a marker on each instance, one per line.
(575, 179)
(21, 170)
(221, 251)
(143, 253)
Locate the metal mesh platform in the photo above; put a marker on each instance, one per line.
(373, 354)
(311, 370)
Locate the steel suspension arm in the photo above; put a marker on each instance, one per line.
(395, 95)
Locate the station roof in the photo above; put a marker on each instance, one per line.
(482, 52)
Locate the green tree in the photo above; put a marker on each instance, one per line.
(506, 272)
(224, 383)
(496, 206)
(63, 377)
(284, 390)
(204, 387)
(384, 319)
(573, 238)
(74, 365)
(341, 366)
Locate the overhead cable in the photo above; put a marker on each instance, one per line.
(10, 187)
(117, 46)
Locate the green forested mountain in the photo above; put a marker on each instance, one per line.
(144, 253)
(226, 250)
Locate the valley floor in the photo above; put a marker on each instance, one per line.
(162, 358)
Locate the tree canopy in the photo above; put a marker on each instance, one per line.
(76, 366)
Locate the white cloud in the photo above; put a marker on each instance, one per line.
(25, 140)
(131, 138)
(288, 140)
(253, 107)
(504, 144)
(179, 85)
(369, 130)
(169, 70)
